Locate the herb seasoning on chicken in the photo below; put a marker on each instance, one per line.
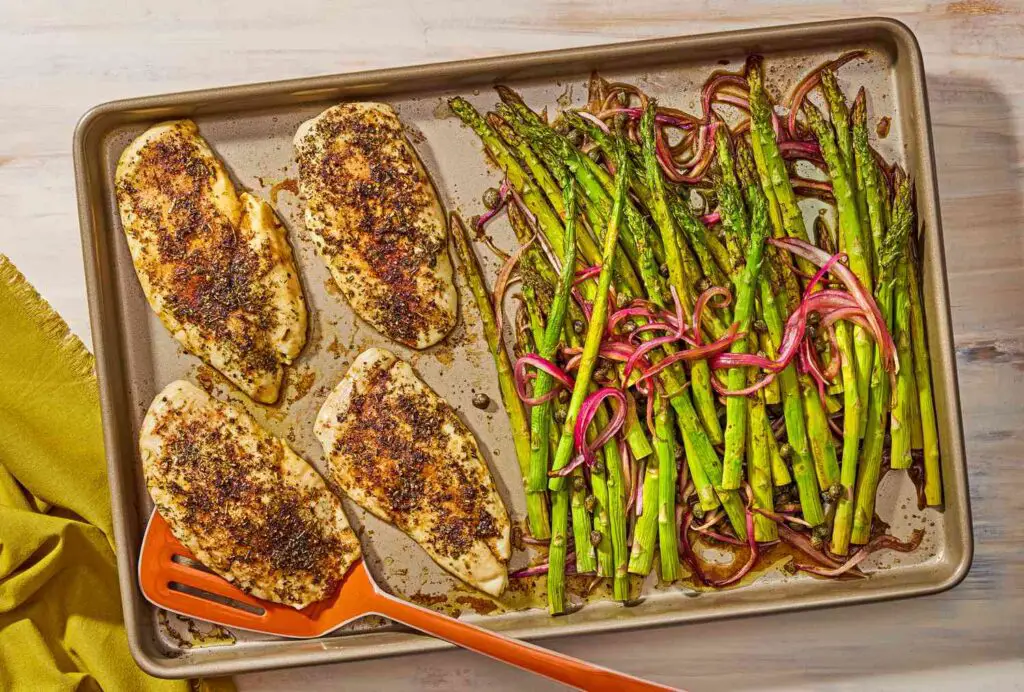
(375, 218)
(246, 505)
(215, 266)
(400, 451)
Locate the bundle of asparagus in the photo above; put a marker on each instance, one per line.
(666, 268)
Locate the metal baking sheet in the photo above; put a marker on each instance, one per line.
(251, 128)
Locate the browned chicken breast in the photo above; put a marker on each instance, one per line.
(215, 266)
(375, 218)
(399, 451)
(242, 501)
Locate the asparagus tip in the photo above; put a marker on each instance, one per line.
(859, 114)
(753, 69)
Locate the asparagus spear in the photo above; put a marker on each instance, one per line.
(851, 233)
(793, 413)
(780, 472)
(540, 416)
(595, 329)
(893, 246)
(536, 504)
(647, 245)
(582, 522)
(529, 126)
(665, 449)
(606, 142)
(547, 220)
(868, 179)
(601, 535)
(617, 521)
(645, 535)
(784, 211)
(534, 264)
(700, 372)
(518, 178)
(557, 551)
(697, 235)
(746, 282)
(926, 404)
(840, 116)
(760, 471)
(787, 219)
(734, 218)
(546, 180)
(851, 441)
(916, 429)
(792, 406)
(701, 457)
(901, 417)
(575, 497)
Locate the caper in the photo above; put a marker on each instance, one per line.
(812, 331)
(663, 270)
(578, 484)
(820, 531)
(621, 300)
(578, 326)
(629, 327)
(589, 502)
(703, 284)
(813, 318)
(786, 451)
(835, 491)
(559, 415)
(598, 467)
(481, 400)
(760, 326)
(817, 541)
(698, 511)
(563, 396)
(783, 494)
(492, 198)
(574, 136)
(595, 537)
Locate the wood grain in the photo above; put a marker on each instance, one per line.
(57, 59)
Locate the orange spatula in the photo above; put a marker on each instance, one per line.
(171, 578)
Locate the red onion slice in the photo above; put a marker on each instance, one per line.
(586, 415)
(501, 284)
(521, 376)
(884, 542)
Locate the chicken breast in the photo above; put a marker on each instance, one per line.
(242, 501)
(375, 218)
(400, 452)
(215, 266)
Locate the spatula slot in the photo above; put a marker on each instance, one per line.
(216, 598)
(190, 563)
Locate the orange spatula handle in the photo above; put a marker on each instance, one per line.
(564, 669)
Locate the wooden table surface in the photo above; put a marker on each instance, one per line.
(59, 58)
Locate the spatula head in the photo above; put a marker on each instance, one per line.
(170, 577)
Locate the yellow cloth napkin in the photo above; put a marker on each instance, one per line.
(60, 612)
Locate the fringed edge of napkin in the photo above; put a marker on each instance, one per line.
(70, 347)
